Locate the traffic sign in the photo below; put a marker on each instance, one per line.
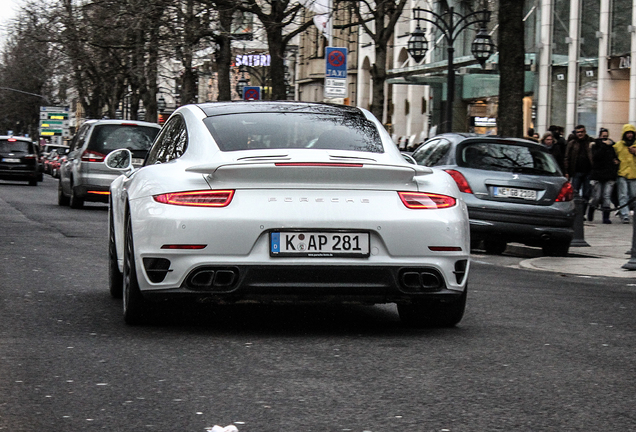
(251, 93)
(54, 121)
(336, 62)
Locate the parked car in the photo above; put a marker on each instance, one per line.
(514, 190)
(83, 176)
(55, 160)
(19, 160)
(45, 151)
(283, 202)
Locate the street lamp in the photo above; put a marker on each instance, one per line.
(451, 24)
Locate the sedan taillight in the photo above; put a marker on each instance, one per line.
(92, 156)
(206, 198)
(461, 181)
(423, 200)
(566, 193)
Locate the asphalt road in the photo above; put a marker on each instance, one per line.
(536, 351)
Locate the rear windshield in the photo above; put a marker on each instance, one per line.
(15, 146)
(508, 157)
(106, 138)
(294, 130)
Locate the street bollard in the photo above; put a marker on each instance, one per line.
(579, 236)
(631, 264)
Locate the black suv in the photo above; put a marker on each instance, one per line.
(19, 160)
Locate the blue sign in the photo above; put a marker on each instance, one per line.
(251, 93)
(336, 61)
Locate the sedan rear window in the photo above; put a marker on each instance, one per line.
(508, 157)
(15, 146)
(106, 138)
(247, 131)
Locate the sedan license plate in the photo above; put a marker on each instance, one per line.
(319, 244)
(11, 160)
(507, 192)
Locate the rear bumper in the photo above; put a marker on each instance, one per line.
(528, 229)
(314, 284)
(93, 193)
(19, 174)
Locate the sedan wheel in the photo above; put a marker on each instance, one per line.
(495, 247)
(115, 277)
(135, 307)
(433, 313)
(74, 201)
(556, 248)
(62, 199)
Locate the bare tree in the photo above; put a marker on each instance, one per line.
(276, 16)
(378, 19)
(511, 68)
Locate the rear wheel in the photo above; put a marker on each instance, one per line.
(556, 248)
(495, 247)
(33, 182)
(135, 306)
(62, 199)
(434, 313)
(74, 201)
(115, 277)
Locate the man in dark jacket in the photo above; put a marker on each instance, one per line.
(603, 175)
(578, 162)
(558, 148)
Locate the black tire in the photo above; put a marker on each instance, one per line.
(136, 308)
(74, 201)
(434, 313)
(495, 247)
(115, 277)
(33, 182)
(556, 248)
(62, 199)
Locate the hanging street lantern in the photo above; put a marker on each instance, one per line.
(417, 45)
(482, 47)
(451, 24)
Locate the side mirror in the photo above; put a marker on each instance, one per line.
(120, 160)
(409, 158)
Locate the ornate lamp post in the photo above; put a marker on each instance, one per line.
(451, 24)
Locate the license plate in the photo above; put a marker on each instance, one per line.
(11, 160)
(506, 192)
(137, 161)
(319, 244)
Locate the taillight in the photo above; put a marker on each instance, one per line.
(423, 200)
(566, 193)
(209, 198)
(30, 156)
(461, 181)
(92, 156)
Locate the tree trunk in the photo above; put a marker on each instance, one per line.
(277, 64)
(511, 68)
(224, 56)
(378, 73)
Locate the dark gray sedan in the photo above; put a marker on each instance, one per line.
(514, 190)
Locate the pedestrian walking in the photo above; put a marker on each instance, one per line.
(578, 162)
(554, 148)
(626, 180)
(603, 175)
(559, 145)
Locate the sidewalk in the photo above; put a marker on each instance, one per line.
(608, 251)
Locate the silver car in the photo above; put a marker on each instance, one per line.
(83, 176)
(514, 190)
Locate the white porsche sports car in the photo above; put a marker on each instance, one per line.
(285, 202)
